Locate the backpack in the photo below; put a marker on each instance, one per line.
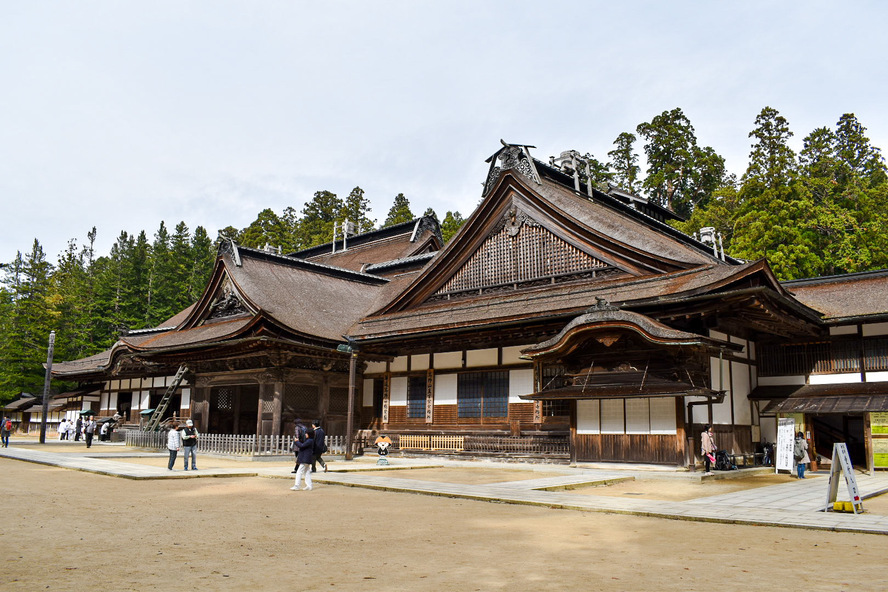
(8, 425)
(797, 452)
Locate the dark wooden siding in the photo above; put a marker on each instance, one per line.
(661, 449)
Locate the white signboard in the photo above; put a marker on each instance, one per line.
(785, 444)
(841, 458)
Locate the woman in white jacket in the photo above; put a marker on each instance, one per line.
(174, 443)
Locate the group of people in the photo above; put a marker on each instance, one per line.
(184, 440)
(309, 444)
(799, 453)
(68, 430)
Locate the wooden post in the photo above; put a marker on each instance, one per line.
(868, 443)
(46, 380)
(350, 419)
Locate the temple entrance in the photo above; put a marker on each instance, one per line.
(828, 429)
(234, 409)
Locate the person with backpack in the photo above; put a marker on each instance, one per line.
(5, 430)
(298, 436)
(800, 454)
(707, 448)
(320, 446)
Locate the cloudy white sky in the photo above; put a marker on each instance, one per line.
(121, 114)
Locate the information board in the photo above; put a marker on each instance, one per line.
(879, 424)
(785, 444)
(842, 461)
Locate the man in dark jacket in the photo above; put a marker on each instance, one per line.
(320, 446)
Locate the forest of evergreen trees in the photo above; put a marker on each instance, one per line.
(819, 212)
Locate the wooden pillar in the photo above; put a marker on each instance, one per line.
(200, 404)
(868, 443)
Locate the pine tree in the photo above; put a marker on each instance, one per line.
(399, 212)
(453, 221)
(318, 217)
(356, 209)
(624, 162)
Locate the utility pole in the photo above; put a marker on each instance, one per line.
(49, 352)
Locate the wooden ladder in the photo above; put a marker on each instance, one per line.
(154, 422)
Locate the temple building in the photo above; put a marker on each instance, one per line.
(564, 320)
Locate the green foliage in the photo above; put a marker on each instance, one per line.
(399, 212)
(453, 221)
(624, 162)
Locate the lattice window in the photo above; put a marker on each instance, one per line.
(223, 399)
(507, 257)
(416, 397)
(338, 400)
(482, 394)
(300, 397)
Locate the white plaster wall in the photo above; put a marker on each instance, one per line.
(638, 416)
(663, 415)
(367, 399)
(721, 380)
(186, 398)
(112, 401)
(146, 400)
(741, 388)
(399, 364)
(781, 380)
(520, 383)
(375, 368)
(448, 360)
(420, 362)
(877, 376)
(511, 355)
(445, 389)
(875, 329)
(588, 421)
(398, 396)
(843, 330)
(481, 357)
(834, 378)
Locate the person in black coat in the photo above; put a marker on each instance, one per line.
(303, 458)
(320, 446)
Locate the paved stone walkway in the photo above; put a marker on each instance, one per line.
(792, 504)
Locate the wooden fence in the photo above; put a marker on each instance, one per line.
(487, 444)
(232, 444)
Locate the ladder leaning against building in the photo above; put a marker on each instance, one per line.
(154, 422)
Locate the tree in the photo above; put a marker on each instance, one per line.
(203, 258)
(624, 162)
(453, 221)
(318, 217)
(856, 156)
(670, 152)
(266, 229)
(774, 214)
(356, 209)
(399, 212)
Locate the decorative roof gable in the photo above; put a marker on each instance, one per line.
(520, 252)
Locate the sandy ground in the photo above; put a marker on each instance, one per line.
(63, 529)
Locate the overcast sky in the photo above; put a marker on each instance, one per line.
(121, 114)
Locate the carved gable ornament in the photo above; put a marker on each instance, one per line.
(520, 252)
(511, 157)
(227, 302)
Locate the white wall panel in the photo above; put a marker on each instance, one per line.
(520, 383)
(588, 419)
(445, 389)
(399, 392)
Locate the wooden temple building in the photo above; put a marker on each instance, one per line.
(562, 319)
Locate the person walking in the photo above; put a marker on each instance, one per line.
(800, 454)
(707, 448)
(78, 429)
(189, 444)
(63, 429)
(320, 446)
(5, 430)
(174, 443)
(299, 436)
(70, 428)
(303, 458)
(89, 428)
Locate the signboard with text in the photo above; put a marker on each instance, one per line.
(785, 443)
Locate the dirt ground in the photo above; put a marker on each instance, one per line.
(62, 529)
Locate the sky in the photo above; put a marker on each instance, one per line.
(120, 115)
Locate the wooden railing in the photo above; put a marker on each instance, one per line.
(492, 444)
(232, 444)
(430, 442)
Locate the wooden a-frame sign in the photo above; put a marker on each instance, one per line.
(841, 457)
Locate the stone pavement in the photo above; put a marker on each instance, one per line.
(792, 504)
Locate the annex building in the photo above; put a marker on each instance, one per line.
(563, 319)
